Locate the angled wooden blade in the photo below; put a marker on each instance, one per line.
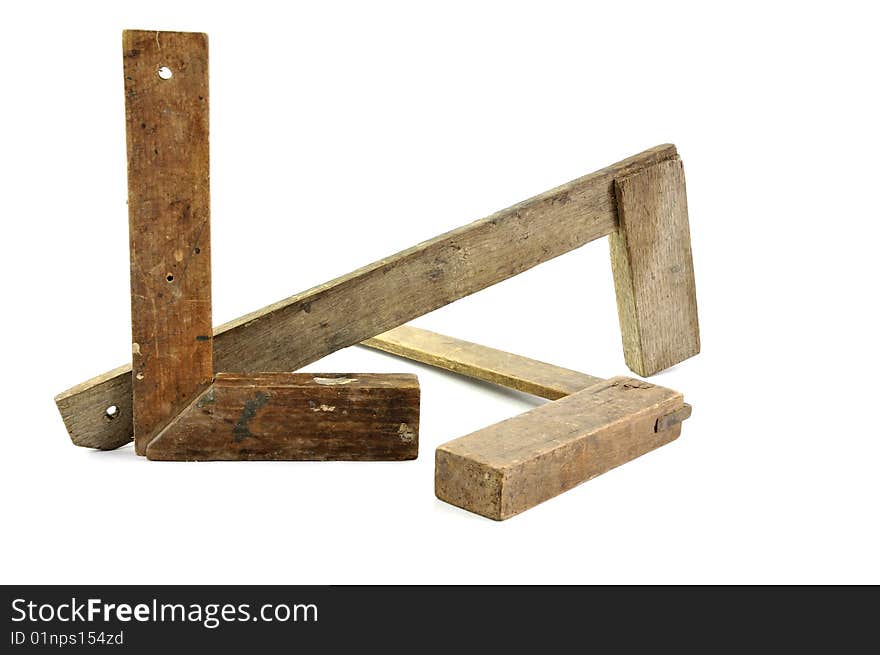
(297, 416)
(166, 120)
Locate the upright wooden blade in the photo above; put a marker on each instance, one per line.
(166, 119)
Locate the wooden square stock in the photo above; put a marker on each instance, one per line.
(297, 416)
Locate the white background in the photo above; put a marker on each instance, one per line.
(342, 133)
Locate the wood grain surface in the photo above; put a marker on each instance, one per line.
(653, 269)
(166, 124)
(303, 328)
(513, 465)
(297, 416)
(481, 362)
(491, 365)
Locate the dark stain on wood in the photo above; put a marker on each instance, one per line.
(240, 431)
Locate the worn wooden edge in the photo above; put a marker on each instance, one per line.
(318, 380)
(657, 331)
(83, 406)
(481, 362)
(170, 445)
(481, 483)
(110, 399)
(626, 309)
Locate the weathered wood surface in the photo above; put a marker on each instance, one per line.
(513, 465)
(388, 293)
(481, 362)
(653, 269)
(297, 416)
(166, 124)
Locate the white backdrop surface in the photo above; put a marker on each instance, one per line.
(344, 132)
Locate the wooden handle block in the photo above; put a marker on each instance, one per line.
(513, 465)
(653, 269)
(297, 416)
(481, 362)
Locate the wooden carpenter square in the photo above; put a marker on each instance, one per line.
(166, 114)
(308, 326)
(507, 468)
(653, 269)
(297, 416)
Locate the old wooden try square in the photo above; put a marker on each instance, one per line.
(511, 466)
(181, 411)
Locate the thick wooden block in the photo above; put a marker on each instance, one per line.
(653, 269)
(308, 326)
(513, 465)
(297, 416)
(166, 124)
